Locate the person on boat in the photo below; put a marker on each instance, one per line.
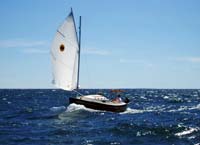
(100, 93)
(126, 100)
(117, 99)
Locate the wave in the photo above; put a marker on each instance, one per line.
(76, 112)
(132, 111)
(75, 107)
(187, 132)
(195, 107)
(183, 108)
(58, 109)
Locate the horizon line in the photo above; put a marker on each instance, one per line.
(101, 88)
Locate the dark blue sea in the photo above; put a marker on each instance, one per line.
(153, 117)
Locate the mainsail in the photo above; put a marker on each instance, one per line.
(64, 55)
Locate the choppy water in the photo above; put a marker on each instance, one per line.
(153, 117)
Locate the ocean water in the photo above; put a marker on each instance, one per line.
(153, 117)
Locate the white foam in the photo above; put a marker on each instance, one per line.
(60, 108)
(114, 143)
(4, 99)
(74, 107)
(132, 111)
(142, 97)
(186, 132)
(183, 108)
(195, 107)
(166, 97)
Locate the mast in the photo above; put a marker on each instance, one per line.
(79, 51)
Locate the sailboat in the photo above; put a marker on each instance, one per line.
(65, 58)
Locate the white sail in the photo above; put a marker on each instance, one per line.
(64, 55)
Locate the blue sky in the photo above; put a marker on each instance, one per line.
(125, 44)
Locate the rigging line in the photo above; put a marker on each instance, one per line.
(78, 92)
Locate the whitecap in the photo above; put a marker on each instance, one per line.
(132, 111)
(143, 97)
(56, 109)
(183, 108)
(102, 113)
(4, 99)
(192, 137)
(114, 143)
(195, 107)
(186, 132)
(166, 97)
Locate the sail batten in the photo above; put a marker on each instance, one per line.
(64, 55)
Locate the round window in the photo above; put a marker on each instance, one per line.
(62, 47)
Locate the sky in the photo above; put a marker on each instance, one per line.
(125, 44)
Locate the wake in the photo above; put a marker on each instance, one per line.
(132, 111)
(76, 107)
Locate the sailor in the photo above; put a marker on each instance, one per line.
(117, 99)
(126, 100)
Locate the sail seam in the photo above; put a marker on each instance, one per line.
(61, 33)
